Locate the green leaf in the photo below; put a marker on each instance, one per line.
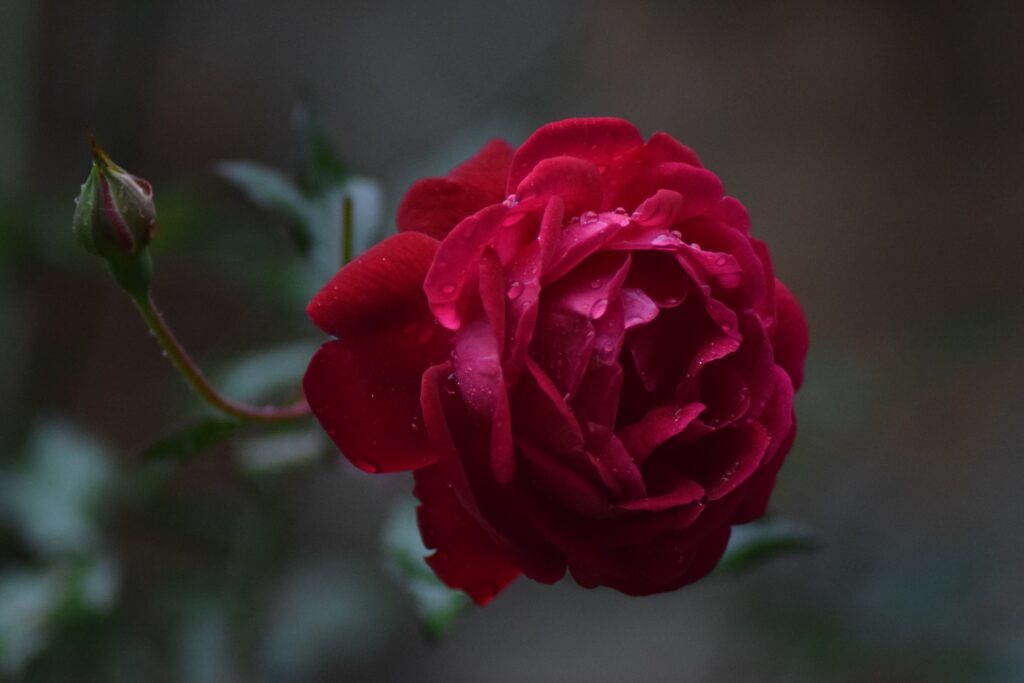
(53, 499)
(437, 606)
(263, 374)
(322, 168)
(268, 187)
(273, 453)
(193, 439)
(754, 544)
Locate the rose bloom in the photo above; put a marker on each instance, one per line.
(581, 353)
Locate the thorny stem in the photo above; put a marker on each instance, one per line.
(184, 363)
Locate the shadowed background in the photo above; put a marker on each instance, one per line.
(879, 150)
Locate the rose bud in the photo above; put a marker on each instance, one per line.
(581, 352)
(114, 213)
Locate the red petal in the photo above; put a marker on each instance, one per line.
(487, 170)
(597, 140)
(466, 558)
(364, 388)
(790, 338)
(576, 182)
(366, 395)
(383, 288)
(657, 427)
(435, 205)
(664, 147)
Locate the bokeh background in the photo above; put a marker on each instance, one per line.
(879, 148)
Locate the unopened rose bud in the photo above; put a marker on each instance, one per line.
(114, 214)
(115, 218)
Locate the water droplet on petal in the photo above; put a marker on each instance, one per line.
(675, 233)
(515, 288)
(595, 284)
(448, 288)
(511, 200)
(451, 383)
(599, 308)
(664, 241)
(588, 217)
(414, 424)
(621, 211)
(721, 261)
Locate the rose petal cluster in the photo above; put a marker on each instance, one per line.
(579, 350)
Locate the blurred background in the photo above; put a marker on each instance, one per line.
(878, 146)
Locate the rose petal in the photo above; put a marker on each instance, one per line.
(657, 427)
(727, 458)
(575, 181)
(466, 558)
(453, 267)
(365, 394)
(700, 189)
(435, 205)
(601, 141)
(487, 170)
(463, 445)
(789, 336)
(664, 147)
(382, 288)
(364, 387)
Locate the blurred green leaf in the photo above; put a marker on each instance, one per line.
(270, 188)
(193, 439)
(322, 168)
(36, 604)
(437, 606)
(272, 453)
(53, 498)
(754, 544)
(326, 611)
(262, 374)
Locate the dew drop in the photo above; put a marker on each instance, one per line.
(515, 288)
(414, 424)
(511, 200)
(621, 211)
(451, 383)
(664, 241)
(599, 308)
(588, 217)
(675, 233)
(448, 289)
(721, 261)
(595, 284)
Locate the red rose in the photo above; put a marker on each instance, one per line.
(581, 352)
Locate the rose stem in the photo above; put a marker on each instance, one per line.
(346, 230)
(184, 363)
